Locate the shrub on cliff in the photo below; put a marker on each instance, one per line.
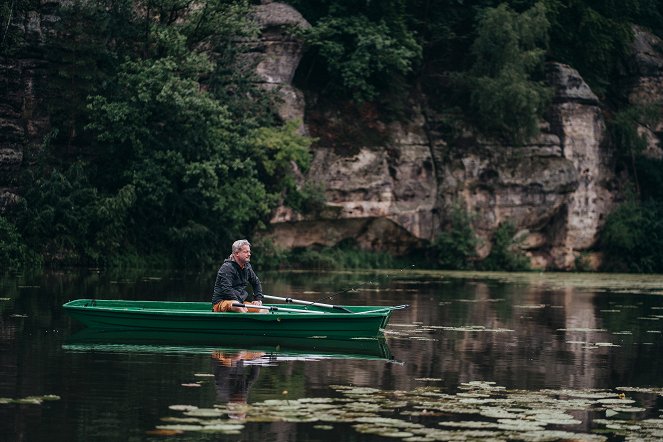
(455, 247)
(631, 239)
(13, 251)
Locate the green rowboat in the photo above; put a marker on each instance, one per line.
(197, 317)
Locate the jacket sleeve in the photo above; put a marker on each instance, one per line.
(255, 283)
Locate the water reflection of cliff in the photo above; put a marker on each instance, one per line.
(548, 337)
(528, 336)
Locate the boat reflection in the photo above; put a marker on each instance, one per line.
(272, 348)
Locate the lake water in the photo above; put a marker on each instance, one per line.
(476, 356)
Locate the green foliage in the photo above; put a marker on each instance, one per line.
(307, 199)
(363, 47)
(14, 253)
(455, 247)
(278, 148)
(631, 238)
(623, 127)
(505, 255)
(594, 37)
(175, 142)
(12, 13)
(342, 256)
(339, 257)
(174, 148)
(508, 50)
(65, 220)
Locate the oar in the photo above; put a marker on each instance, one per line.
(274, 309)
(381, 309)
(316, 304)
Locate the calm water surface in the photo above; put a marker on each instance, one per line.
(476, 356)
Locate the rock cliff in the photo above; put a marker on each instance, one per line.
(393, 186)
(23, 120)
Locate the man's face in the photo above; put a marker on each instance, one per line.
(243, 255)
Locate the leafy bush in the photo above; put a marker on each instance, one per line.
(505, 255)
(631, 238)
(509, 48)
(13, 251)
(308, 199)
(363, 46)
(455, 247)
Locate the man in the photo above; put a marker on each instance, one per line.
(234, 275)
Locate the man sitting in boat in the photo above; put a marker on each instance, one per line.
(232, 279)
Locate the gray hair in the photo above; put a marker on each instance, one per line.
(237, 245)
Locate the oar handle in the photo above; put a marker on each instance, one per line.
(274, 309)
(299, 301)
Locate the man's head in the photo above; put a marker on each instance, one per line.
(241, 252)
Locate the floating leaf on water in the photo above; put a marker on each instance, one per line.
(182, 427)
(204, 375)
(468, 424)
(183, 407)
(518, 425)
(583, 330)
(498, 413)
(228, 428)
(191, 385)
(316, 400)
(658, 391)
(181, 420)
(473, 395)
(616, 401)
(557, 435)
(204, 412)
(629, 409)
(29, 401)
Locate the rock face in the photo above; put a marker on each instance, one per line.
(23, 120)
(280, 54)
(579, 122)
(393, 194)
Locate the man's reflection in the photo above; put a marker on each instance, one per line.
(234, 379)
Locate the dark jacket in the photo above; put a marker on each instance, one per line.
(231, 282)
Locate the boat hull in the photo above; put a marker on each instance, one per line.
(197, 317)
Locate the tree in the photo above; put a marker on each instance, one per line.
(508, 50)
(170, 148)
(362, 48)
